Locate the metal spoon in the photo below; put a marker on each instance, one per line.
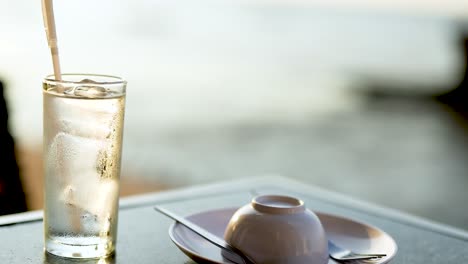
(228, 251)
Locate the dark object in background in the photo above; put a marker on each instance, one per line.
(458, 98)
(12, 199)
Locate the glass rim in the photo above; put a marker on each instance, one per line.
(118, 80)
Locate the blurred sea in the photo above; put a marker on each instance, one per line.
(222, 90)
(250, 62)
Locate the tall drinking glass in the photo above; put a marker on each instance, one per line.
(83, 129)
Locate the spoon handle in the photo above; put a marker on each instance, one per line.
(228, 252)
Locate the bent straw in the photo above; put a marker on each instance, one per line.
(49, 25)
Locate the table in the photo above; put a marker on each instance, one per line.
(143, 233)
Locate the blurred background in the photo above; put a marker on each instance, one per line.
(361, 97)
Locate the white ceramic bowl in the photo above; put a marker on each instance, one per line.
(277, 229)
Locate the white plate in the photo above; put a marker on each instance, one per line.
(344, 232)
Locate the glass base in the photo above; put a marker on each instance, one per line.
(79, 247)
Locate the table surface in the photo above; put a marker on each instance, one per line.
(143, 233)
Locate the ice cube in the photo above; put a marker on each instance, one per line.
(96, 201)
(90, 91)
(86, 129)
(71, 160)
(75, 168)
(71, 156)
(92, 111)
